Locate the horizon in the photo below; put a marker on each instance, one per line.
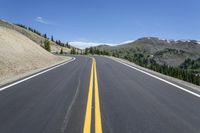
(106, 22)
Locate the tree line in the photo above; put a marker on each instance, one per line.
(191, 64)
(95, 50)
(30, 29)
(45, 36)
(181, 72)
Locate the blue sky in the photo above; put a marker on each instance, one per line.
(109, 21)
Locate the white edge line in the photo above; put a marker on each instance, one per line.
(34, 75)
(186, 90)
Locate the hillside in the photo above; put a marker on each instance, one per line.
(33, 36)
(168, 52)
(179, 59)
(19, 54)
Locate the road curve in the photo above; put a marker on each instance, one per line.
(121, 100)
(53, 102)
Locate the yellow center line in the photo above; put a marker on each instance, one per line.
(98, 125)
(88, 115)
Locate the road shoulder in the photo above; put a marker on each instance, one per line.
(31, 72)
(185, 84)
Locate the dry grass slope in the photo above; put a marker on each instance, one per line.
(19, 54)
(34, 37)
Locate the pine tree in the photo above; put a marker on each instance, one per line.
(47, 45)
(61, 51)
(52, 39)
(67, 45)
(45, 35)
(73, 51)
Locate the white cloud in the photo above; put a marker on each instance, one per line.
(83, 45)
(42, 20)
(129, 41)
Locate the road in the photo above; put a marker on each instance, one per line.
(97, 95)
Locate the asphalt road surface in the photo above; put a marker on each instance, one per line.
(97, 95)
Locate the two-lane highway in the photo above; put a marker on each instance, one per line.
(97, 95)
(52, 102)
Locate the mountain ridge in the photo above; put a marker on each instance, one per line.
(163, 51)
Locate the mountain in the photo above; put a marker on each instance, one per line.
(170, 52)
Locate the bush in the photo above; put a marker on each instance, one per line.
(47, 45)
(61, 51)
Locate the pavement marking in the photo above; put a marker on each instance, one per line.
(161, 79)
(88, 116)
(22, 80)
(98, 125)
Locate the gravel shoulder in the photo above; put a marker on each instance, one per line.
(16, 77)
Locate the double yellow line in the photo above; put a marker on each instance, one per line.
(93, 86)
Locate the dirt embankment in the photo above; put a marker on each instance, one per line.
(18, 54)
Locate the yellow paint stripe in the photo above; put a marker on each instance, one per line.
(98, 125)
(88, 115)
